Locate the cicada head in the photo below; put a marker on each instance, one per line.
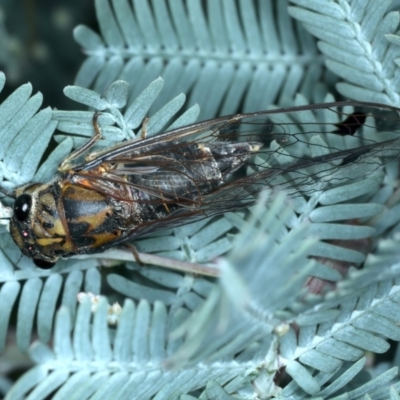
(35, 226)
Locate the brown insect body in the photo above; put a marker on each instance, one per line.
(164, 181)
(78, 213)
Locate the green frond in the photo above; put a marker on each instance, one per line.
(245, 312)
(24, 132)
(241, 310)
(125, 362)
(368, 314)
(36, 296)
(354, 39)
(117, 121)
(220, 54)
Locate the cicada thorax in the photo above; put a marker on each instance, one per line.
(89, 211)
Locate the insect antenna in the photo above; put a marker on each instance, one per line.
(66, 164)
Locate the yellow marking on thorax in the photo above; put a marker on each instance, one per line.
(48, 241)
(103, 238)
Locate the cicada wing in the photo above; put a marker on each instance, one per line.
(206, 169)
(303, 177)
(276, 124)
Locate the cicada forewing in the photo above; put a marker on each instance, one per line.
(202, 170)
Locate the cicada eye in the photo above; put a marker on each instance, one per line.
(22, 206)
(43, 263)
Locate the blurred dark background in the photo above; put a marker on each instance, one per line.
(37, 45)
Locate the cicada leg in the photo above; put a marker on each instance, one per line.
(134, 251)
(95, 154)
(177, 265)
(144, 128)
(66, 164)
(121, 254)
(145, 258)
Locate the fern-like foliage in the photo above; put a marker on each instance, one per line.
(230, 53)
(271, 316)
(353, 36)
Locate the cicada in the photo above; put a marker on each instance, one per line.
(104, 198)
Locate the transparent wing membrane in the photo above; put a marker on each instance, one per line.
(308, 145)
